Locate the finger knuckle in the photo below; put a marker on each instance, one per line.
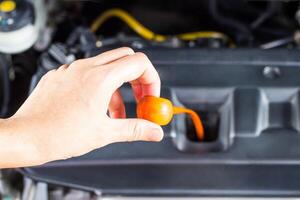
(51, 72)
(109, 74)
(127, 49)
(48, 75)
(77, 63)
(134, 130)
(89, 76)
(103, 73)
(63, 67)
(141, 56)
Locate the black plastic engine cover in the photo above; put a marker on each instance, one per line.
(250, 102)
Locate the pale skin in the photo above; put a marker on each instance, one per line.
(66, 114)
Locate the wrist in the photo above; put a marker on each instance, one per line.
(19, 147)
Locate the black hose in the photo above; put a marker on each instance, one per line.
(228, 22)
(272, 8)
(6, 86)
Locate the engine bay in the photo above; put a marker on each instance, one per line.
(236, 63)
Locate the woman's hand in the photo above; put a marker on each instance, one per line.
(66, 114)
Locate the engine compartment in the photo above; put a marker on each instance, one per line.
(253, 128)
(235, 62)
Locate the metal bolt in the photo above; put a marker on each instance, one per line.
(137, 45)
(271, 72)
(99, 44)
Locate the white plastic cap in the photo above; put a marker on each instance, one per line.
(18, 40)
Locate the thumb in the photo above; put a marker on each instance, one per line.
(136, 130)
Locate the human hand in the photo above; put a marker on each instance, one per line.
(66, 114)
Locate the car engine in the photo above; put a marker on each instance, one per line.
(235, 62)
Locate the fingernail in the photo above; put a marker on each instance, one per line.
(155, 134)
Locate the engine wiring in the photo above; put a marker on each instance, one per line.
(241, 33)
(277, 43)
(147, 34)
(295, 38)
(4, 63)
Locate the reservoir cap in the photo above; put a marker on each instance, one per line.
(7, 6)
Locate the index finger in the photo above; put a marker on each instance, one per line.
(139, 71)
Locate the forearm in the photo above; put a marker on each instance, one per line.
(18, 147)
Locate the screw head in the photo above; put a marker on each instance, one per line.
(271, 72)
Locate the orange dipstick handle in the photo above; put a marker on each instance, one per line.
(195, 118)
(161, 110)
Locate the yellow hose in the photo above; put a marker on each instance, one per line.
(201, 34)
(130, 21)
(148, 34)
